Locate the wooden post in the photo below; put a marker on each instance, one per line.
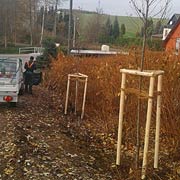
(158, 114)
(76, 96)
(148, 121)
(67, 95)
(78, 77)
(121, 112)
(84, 98)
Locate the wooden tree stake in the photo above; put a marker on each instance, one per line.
(152, 75)
(121, 112)
(67, 94)
(84, 98)
(158, 114)
(76, 96)
(78, 77)
(148, 122)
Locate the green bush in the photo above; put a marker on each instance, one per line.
(155, 45)
(50, 51)
(50, 48)
(9, 50)
(137, 41)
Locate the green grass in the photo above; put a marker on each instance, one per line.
(132, 24)
(9, 50)
(129, 35)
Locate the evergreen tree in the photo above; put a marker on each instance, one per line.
(108, 27)
(158, 27)
(123, 29)
(116, 31)
(106, 32)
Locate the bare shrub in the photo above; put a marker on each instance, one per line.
(102, 105)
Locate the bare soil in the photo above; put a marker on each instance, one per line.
(38, 142)
(34, 143)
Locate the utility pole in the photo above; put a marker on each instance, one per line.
(55, 19)
(76, 19)
(70, 26)
(30, 18)
(43, 23)
(74, 33)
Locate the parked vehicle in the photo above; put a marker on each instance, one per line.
(11, 80)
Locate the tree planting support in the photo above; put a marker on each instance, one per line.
(152, 74)
(78, 77)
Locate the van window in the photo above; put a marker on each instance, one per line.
(7, 69)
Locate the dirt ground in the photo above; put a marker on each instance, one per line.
(34, 144)
(37, 142)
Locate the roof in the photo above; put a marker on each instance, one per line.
(177, 15)
(173, 28)
(92, 52)
(173, 20)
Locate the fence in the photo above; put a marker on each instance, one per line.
(26, 50)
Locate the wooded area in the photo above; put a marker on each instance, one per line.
(27, 21)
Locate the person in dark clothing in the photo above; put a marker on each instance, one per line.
(29, 66)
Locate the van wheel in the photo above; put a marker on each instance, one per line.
(13, 104)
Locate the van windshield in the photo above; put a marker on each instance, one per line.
(8, 71)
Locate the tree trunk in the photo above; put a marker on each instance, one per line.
(55, 19)
(141, 68)
(15, 19)
(5, 32)
(70, 26)
(35, 24)
(30, 18)
(43, 21)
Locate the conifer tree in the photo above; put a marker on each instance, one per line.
(116, 31)
(108, 26)
(123, 29)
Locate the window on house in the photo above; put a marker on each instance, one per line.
(177, 45)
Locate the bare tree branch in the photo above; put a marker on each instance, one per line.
(145, 9)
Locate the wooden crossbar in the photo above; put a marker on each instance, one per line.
(148, 73)
(140, 94)
(78, 79)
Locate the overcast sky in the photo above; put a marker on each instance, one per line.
(114, 7)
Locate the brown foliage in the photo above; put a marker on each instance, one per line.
(102, 105)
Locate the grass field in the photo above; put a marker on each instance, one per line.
(9, 50)
(132, 24)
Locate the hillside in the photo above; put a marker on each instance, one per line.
(133, 24)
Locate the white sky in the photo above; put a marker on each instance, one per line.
(115, 7)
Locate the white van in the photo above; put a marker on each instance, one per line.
(11, 80)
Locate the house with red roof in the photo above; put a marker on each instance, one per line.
(171, 34)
